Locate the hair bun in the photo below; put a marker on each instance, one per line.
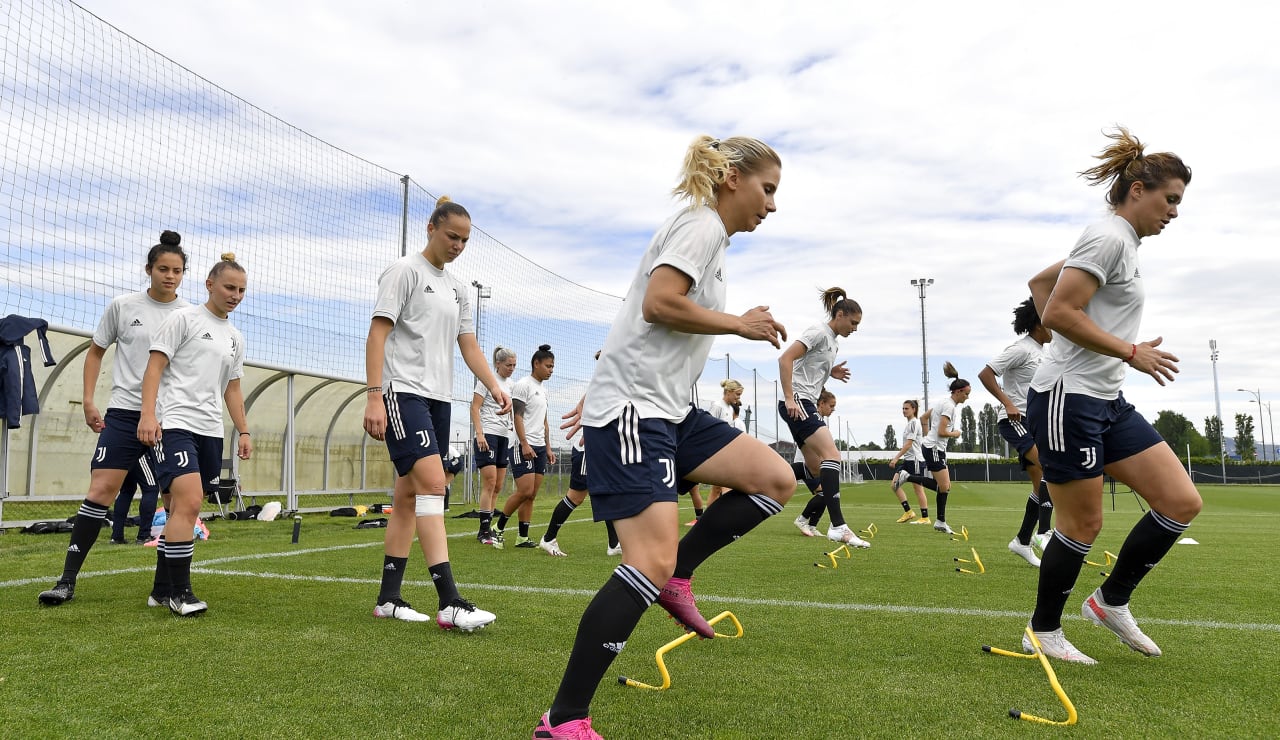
(170, 238)
(544, 348)
(442, 200)
(228, 256)
(950, 371)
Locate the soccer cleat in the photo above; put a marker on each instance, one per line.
(1038, 541)
(614, 550)
(1024, 552)
(574, 729)
(808, 530)
(61, 592)
(462, 614)
(801, 524)
(115, 541)
(551, 548)
(525, 542)
(921, 520)
(1055, 645)
(496, 539)
(677, 598)
(186, 604)
(155, 599)
(906, 517)
(399, 609)
(900, 479)
(943, 527)
(1120, 621)
(843, 534)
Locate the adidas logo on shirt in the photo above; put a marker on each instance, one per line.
(614, 647)
(719, 276)
(136, 322)
(207, 335)
(428, 290)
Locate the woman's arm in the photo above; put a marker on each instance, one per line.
(233, 396)
(375, 414)
(667, 302)
(148, 424)
(988, 378)
(477, 401)
(476, 363)
(92, 369)
(786, 374)
(944, 427)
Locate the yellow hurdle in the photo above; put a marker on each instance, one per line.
(662, 665)
(962, 535)
(976, 561)
(1072, 717)
(841, 551)
(870, 531)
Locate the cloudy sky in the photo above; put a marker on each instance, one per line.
(918, 139)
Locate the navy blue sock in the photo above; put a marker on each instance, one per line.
(1059, 569)
(830, 475)
(392, 577)
(1147, 544)
(84, 532)
(732, 515)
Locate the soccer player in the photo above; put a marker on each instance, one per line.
(1015, 366)
(196, 356)
(807, 521)
(1083, 427)
(494, 431)
(802, 370)
(128, 322)
(643, 437)
(727, 408)
(531, 453)
(421, 312)
(578, 490)
(942, 427)
(912, 457)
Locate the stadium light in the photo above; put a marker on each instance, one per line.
(1257, 396)
(921, 284)
(1217, 409)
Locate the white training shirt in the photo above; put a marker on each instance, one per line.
(810, 372)
(652, 366)
(1015, 367)
(1108, 250)
(724, 412)
(205, 354)
(531, 392)
(491, 422)
(128, 322)
(911, 431)
(947, 408)
(430, 309)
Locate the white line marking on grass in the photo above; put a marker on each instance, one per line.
(740, 601)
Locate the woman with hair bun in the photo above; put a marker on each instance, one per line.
(494, 432)
(727, 408)
(942, 420)
(129, 322)
(912, 457)
(530, 452)
(645, 441)
(803, 370)
(421, 313)
(196, 356)
(1083, 425)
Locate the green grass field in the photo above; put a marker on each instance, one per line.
(887, 645)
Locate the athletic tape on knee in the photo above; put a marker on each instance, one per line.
(428, 505)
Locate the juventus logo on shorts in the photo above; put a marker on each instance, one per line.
(183, 460)
(1090, 457)
(668, 472)
(102, 455)
(423, 438)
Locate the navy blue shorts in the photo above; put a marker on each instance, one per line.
(913, 467)
(453, 464)
(497, 454)
(118, 445)
(1077, 435)
(143, 476)
(1018, 434)
(412, 425)
(521, 465)
(636, 462)
(934, 460)
(578, 471)
(808, 423)
(180, 452)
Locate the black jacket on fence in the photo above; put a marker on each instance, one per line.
(18, 395)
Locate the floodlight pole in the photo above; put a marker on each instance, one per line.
(1257, 396)
(1217, 409)
(921, 284)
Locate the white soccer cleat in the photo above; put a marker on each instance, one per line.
(810, 530)
(551, 548)
(1055, 645)
(900, 479)
(943, 527)
(845, 535)
(399, 609)
(614, 550)
(1023, 551)
(463, 615)
(802, 524)
(1119, 621)
(1038, 541)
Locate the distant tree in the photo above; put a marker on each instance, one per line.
(1244, 437)
(890, 438)
(1180, 433)
(842, 445)
(1213, 434)
(989, 430)
(869, 446)
(968, 429)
